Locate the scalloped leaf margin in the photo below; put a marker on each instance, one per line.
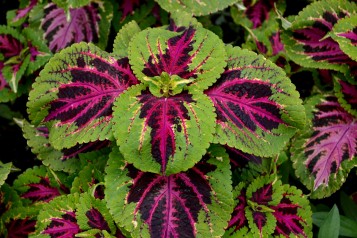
(198, 201)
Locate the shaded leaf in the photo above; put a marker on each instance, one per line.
(197, 201)
(324, 153)
(331, 225)
(123, 38)
(257, 107)
(345, 33)
(346, 92)
(75, 92)
(309, 42)
(5, 169)
(83, 24)
(37, 185)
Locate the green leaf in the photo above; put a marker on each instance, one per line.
(348, 206)
(5, 170)
(308, 41)
(162, 140)
(87, 178)
(195, 54)
(331, 225)
(198, 201)
(41, 146)
(93, 214)
(123, 38)
(40, 185)
(344, 32)
(196, 7)
(69, 4)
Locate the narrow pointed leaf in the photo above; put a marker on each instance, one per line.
(163, 135)
(196, 7)
(196, 202)
(4, 171)
(331, 226)
(192, 53)
(309, 42)
(75, 92)
(345, 33)
(18, 16)
(258, 109)
(325, 152)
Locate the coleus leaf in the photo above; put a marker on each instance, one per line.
(257, 107)
(38, 185)
(4, 171)
(127, 6)
(325, 152)
(75, 93)
(345, 33)
(18, 16)
(88, 23)
(346, 92)
(93, 214)
(185, 204)
(197, 8)
(266, 207)
(20, 221)
(192, 53)
(87, 179)
(123, 38)
(13, 57)
(8, 200)
(58, 218)
(60, 160)
(258, 12)
(163, 134)
(309, 42)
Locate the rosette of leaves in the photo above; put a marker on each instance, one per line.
(322, 36)
(190, 90)
(266, 208)
(325, 151)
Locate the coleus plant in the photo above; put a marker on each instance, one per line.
(148, 140)
(163, 97)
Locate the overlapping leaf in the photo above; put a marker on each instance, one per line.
(194, 54)
(197, 7)
(12, 57)
(37, 185)
(18, 16)
(266, 207)
(87, 23)
(58, 218)
(93, 214)
(163, 135)
(345, 33)
(75, 92)
(257, 107)
(179, 205)
(326, 151)
(309, 42)
(20, 221)
(346, 93)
